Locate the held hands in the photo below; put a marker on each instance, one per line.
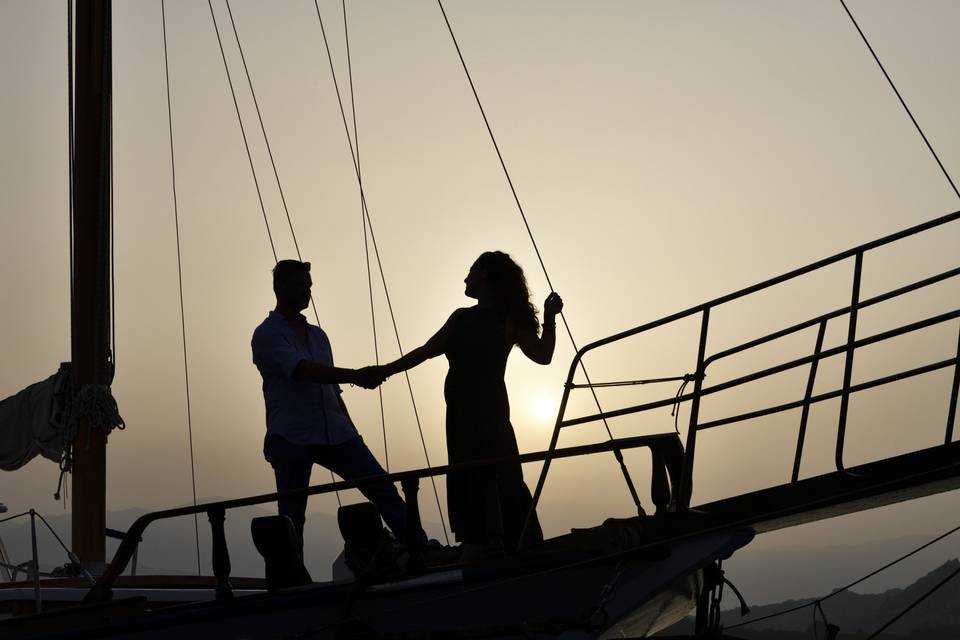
(370, 377)
(551, 307)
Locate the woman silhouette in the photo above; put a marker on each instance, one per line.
(488, 506)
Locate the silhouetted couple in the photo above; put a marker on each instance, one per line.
(307, 421)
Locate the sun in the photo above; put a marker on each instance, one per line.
(543, 408)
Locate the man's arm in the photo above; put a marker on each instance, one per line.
(309, 371)
(274, 355)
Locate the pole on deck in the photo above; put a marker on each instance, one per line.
(90, 316)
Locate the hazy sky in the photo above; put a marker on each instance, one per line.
(665, 153)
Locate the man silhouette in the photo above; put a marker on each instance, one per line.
(307, 420)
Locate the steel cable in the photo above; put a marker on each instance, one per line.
(243, 133)
(70, 137)
(913, 604)
(366, 244)
(276, 174)
(850, 585)
(900, 98)
(376, 251)
(70, 162)
(616, 452)
(183, 324)
(14, 517)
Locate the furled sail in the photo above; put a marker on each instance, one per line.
(34, 421)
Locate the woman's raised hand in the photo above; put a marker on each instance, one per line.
(552, 305)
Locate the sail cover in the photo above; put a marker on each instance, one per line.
(33, 421)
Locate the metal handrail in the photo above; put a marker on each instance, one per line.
(31, 568)
(769, 371)
(766, 284)
(829, 395)
(780, 333)
(683, 491)
(215, 510)
(836, 313)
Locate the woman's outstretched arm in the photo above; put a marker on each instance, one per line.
(433, 347)
(540, 348)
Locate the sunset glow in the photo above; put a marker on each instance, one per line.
(543, 407)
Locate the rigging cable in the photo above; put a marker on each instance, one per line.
(899, 97)
(70, 554)
(366, 243)
(66, 462)
(113, 278)
(376, 251)
(183, 324)
(852, 584)
(276, 174)
(14, 517)
(70, 136)
(246, 145)
(915, 603)
(616, 452)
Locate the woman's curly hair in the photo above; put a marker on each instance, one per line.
(509, 287)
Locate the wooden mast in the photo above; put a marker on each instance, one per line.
(90, 316)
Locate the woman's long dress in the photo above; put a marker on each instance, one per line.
(486, 506)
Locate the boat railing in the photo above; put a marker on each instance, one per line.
(409, 481)
(681, 489)
(681, 493)
(31, 568)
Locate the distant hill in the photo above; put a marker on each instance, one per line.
(759, 570)
(857, 615)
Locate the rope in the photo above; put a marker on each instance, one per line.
(70, 554)
(684, 380)
(851, 585)
(276, 174)
(675, 411)
(96, 404)
(183, 323)
(902, 101)
(366, 244)
(826, 623)
(687, 377)
(19, 515)
(616, 452)
(376, 251)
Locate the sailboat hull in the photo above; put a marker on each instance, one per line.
(625, 594)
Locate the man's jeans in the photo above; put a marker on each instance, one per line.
(352, 459)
